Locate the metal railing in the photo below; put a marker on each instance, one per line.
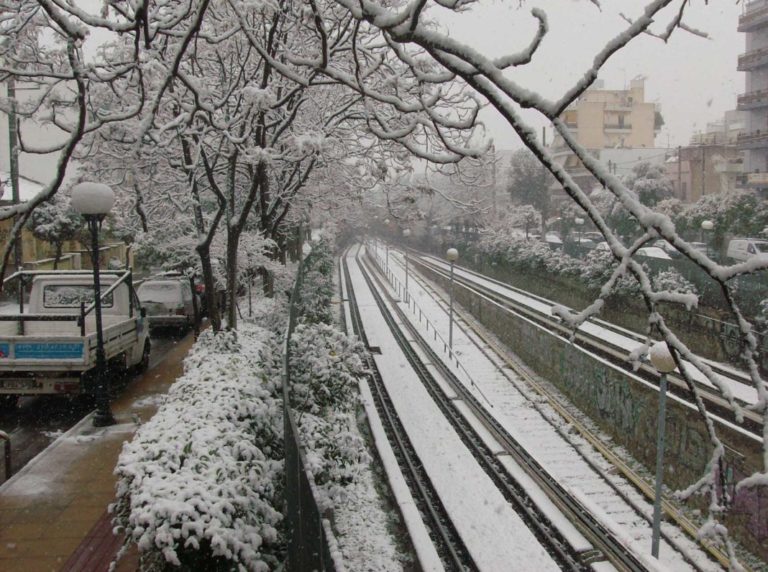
(124, 277)
(447, 349)
(309, 531)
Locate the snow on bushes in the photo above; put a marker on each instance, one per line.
(594, 270)
(200, 485)
(314, 303)
(325, 365)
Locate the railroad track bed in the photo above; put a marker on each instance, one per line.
(511, 413)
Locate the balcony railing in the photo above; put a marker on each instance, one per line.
(753, 19)
(752, 99)
(617, 127)
(759, 179)
(622, 105)
(754, 140)
(753, 59)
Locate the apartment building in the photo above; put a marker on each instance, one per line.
(618, 127)
(712, 162)
(754, 101)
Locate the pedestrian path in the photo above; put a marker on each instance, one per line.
(53, 513)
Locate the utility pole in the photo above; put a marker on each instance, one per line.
(703, 170)
(493, 184)
(13, 147)
(680, 172)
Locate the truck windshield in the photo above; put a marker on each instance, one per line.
(71, 296)
(762, 246)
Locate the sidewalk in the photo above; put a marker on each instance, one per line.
(53, 513)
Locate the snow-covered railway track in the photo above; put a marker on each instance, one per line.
(447, 541)
(609, 342)
(567, 556)
(497, 447)
(575, 459)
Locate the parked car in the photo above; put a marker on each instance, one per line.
(668, 248)
(742, 249)
(654, 252)
(168, 302)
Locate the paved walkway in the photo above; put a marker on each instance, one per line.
(53, 512)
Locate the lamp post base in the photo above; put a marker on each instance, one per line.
(103, 419)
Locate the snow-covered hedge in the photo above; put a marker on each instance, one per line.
(200, 485)
(314, 303)
(593, 270)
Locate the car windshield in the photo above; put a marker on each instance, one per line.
(160, 292)
(762, 246)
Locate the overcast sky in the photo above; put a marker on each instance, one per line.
(694, 79)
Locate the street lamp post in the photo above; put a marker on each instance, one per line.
(406, 234)
(579, 222)
(386, 246)
(706, 227)
(94, 201)
(452, 255)
(664, 362)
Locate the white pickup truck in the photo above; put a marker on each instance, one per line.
(48, 346)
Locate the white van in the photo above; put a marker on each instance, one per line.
(742, 249)
(168, 303)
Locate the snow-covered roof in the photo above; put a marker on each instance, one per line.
(27, 188)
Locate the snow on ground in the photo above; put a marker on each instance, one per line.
(479, 511)
(515, 412)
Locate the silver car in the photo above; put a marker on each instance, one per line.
(168, 303)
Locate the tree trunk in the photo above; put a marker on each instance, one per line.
(211, 301)
(233, 236)
(57, 256)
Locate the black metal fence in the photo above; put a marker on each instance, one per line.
(310, 536)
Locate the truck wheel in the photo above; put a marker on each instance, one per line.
(143, 365)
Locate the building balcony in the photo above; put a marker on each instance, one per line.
(754, 140)
(617, 127)
(621, 106)
(752, 100)
(755, 17)
(756, 180)
(753, 59)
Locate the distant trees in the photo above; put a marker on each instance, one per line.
(529, 183)
(56, 223)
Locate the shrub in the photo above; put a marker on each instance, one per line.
(201, 482)
(325, 365)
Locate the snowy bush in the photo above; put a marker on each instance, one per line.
(314, 304)
(335, 454)
(200, 485)
(672, 281)
(325, 365)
